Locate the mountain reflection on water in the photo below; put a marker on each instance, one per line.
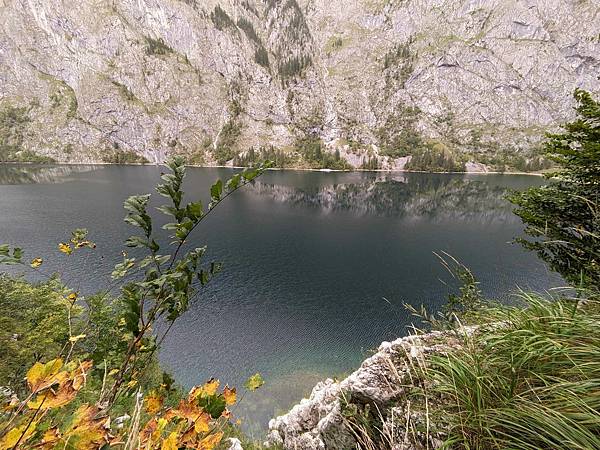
(35, 174)
(423, 197)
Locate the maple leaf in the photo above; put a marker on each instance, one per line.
(86, 431)
(210, 441)
(41, 376)
(187, 410)
(206, 390)
(254, 382)
(170, 443)
(230, 395)
(153, 403)
(19, 434)
(64, 385)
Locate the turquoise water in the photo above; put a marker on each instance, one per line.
(308, 259)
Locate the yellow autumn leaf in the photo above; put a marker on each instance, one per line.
(86, 430)
(162, 424)
(229, 395)
(77, 338)
(51, 438)
(18, 434)
(132, 383)
(170, 443)
(113, 372)
(51, 400)
(206, 390)
(72, 296)
(87, 244)
(65, 248)
(210, 441)
(37, 262)
(41, 375)
(254, 382)
(202, 423)
(153, 403)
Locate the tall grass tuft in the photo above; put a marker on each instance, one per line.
(529, 379)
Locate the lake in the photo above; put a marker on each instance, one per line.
(317, 265)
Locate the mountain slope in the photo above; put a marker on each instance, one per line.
(442, 81)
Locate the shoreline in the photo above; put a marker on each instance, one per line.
(290, 169)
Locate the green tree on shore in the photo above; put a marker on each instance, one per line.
(563, 217)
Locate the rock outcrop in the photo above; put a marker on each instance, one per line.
(380, 384)
(209, 79)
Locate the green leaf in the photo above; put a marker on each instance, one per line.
(137, 203)
(216, 190)
(136, 242)
(17, 253)
(121, 269)
(168, 210)
(254, 382)
(215, 268)
(214, 405)
(194, 210)
(203, 277)
(250, 174)
(234, 182)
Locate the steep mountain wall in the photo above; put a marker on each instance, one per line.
(362, 80)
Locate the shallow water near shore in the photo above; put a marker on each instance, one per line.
(316, 265)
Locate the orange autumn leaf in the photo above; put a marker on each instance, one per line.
(152, 432)
(51, 400)
(86, 430)
(202, 423)
(229, 395)
(210, 441)
(187, 410)
(65, 384)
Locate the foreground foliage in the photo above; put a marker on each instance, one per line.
(528, 378)
(93, 358)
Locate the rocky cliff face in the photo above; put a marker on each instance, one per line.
(367, 81)
(332, 417)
